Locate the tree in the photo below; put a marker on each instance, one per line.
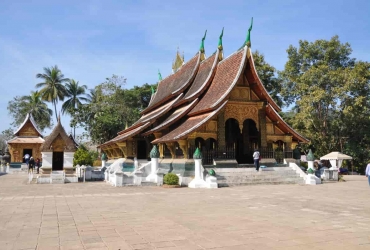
(267, 74)
(82, 156)
(20, 106)
(111, 107)
(5, 136)
(329, 90)
(52, 88)
(74, 93)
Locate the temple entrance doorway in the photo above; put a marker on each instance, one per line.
(250, 140)
(141, 150)
(243, 142)
(57, 161)
(26, 151)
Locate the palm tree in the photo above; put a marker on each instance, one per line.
(33, 104)
(74, 92)
(53, 89)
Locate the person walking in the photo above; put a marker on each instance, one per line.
(367, 172)
(256, 158)
(37, 164)
(31, 165)
(26, 158)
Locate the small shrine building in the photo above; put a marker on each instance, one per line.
(28, 140)
(215, 103)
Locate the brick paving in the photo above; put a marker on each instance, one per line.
(97, 216)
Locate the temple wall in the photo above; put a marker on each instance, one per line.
(16, 150)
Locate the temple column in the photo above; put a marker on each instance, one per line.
(221, 141)
(184, 147)
(262, 123)
(130, 147)
(158, 135)
(171, 148)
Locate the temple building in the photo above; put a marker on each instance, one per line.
(28, 140)
(216, 103)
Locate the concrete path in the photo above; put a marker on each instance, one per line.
(97, 216)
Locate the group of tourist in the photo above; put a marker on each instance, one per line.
(31, 163)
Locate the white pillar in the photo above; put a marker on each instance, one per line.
(153, 177)
(197, 182)
(310, 165)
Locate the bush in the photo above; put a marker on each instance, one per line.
(82, 157)
(171, 179)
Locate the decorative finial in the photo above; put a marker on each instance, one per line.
(201, 49)
(197, 154)
(154, 153)
(248, 40)
(126, 126)
(59, 117)
(310, 156)
(220, 40)
(153, 91)
(159, 76)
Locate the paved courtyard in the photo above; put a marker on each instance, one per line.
(97, 216)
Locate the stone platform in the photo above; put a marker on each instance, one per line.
(94, 215)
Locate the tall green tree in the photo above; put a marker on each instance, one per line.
(75, 94)
(328, 89)
(20, 106)
(268, 76)
(5, 136)
(52, 87)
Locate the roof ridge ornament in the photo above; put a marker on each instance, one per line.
(159, 75)
(248, 40)
(220, 47)
(220, 40)
(201, 49)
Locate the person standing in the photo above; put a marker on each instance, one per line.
(37, 164)
(256, 158)
(31, 165)
(367, 172)
(26, 158)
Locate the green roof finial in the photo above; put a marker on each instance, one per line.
(154, 153)
(310, 156)
(201, 49)
(220, 40)
(159, 75)
(153, 91)
(248, 40)
(197, 154)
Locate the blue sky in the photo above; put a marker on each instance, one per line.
(91, 40)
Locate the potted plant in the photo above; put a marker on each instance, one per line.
(171, 180)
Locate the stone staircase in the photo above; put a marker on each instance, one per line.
(227, 177)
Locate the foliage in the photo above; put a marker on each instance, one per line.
(110, 108)
(171, 179)
(330, 93)
(75, 94)
(20, 106)
(82, 156)
(52, 88)
(267, 74)
(5, 136)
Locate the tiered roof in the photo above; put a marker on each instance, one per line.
(27, 132)
(197, 91)
(58, 131)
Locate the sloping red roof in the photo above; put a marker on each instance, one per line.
(176, 114)
(227, 74)
(189, 126)
(203, 77)
(128, 134)
(274, 115)
(175, 83)
(262, 94)
(26, 140)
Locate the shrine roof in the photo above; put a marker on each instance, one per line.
(158, 111)
(227, 74)
(128, 134)
(176, 114)
(29, 118)
(58, 130)
(271, 112)
(20, 140)
(188, 126)
(203, 77)
(263, 94)
(175, 83)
